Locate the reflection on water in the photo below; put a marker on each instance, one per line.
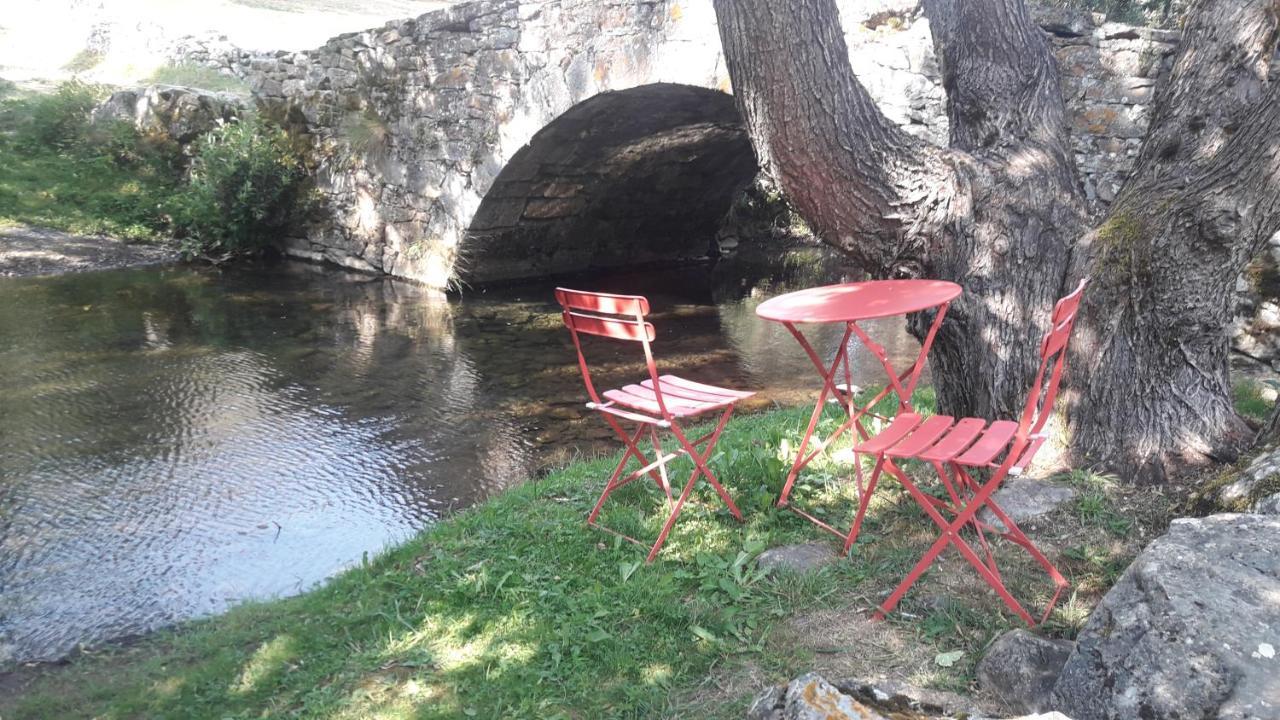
(176, 440)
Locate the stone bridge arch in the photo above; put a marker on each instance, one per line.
(414, 122)
(623, 178)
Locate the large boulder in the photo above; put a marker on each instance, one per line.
(1191, 630)
(179, 113)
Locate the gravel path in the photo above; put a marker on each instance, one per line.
(28, 251)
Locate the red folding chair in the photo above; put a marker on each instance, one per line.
(1001, 448)
(657, 403)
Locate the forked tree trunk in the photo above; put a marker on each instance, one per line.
(1000, 211)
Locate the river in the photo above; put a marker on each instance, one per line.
(176, 440)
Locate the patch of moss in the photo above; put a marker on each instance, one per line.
(1116, 241)
(1207, 499)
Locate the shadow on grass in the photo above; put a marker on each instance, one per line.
(515, 608)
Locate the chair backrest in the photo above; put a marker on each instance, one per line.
(616, 317)
(1053, 357)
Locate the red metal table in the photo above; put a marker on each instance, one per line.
(850, 303)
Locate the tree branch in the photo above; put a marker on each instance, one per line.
(800, 100)
(1220, 74)
(1001, 77)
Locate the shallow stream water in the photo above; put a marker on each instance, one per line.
(175, 440)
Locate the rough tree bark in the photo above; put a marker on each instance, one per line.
(1152, 391)
(1001, 211)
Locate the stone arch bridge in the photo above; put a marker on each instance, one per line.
(502, 139)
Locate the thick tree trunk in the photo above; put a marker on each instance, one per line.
(997, 212)
(1001, 211)
(1153, 394)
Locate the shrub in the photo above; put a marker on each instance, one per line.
(60, 119)
(248, 186)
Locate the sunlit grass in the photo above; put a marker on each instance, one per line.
(515, 608)
(1249, 398)
(88, 182)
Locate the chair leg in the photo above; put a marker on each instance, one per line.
(613, 483)
(951, 535)
(630, 442)
(864, 499)
(662, 469)
(700, 459)
(671, 519)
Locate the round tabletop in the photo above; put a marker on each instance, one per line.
(858, 301)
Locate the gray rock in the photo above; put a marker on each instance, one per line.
(809, 697)
(1024, 498)
(1268, 506)
(768, 704)
(900, 699)
(178, 113)
(795, 558)
(1191, 630)
(1021, 669)
(1063, 22)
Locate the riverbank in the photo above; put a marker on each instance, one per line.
(28, 251)
(514, 608)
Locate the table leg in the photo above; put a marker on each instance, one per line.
(911, 374)
(827, 387)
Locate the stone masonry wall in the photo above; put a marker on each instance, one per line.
(413, 122)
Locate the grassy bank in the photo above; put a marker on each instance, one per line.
(59, 173)
(515, 608)
(235, 190)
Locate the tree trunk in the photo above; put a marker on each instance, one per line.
(997, 212)
(1151, 360)
(1001, 212)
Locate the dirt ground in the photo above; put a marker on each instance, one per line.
(27, 251)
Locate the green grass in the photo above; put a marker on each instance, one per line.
(515, 608)
(79, 180)
(1247, 396)
(198, 76)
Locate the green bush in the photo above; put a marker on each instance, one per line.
(62, 172)
(60, 119)
(248, 186)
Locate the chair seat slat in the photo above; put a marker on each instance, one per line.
(993, 440)
(955, 442)
(897, 430)
(922, 437)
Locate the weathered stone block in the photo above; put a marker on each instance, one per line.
(1190, 630)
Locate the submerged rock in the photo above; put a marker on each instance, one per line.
(1191, 630)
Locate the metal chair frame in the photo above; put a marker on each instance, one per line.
(653, 405)
(961, 447)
